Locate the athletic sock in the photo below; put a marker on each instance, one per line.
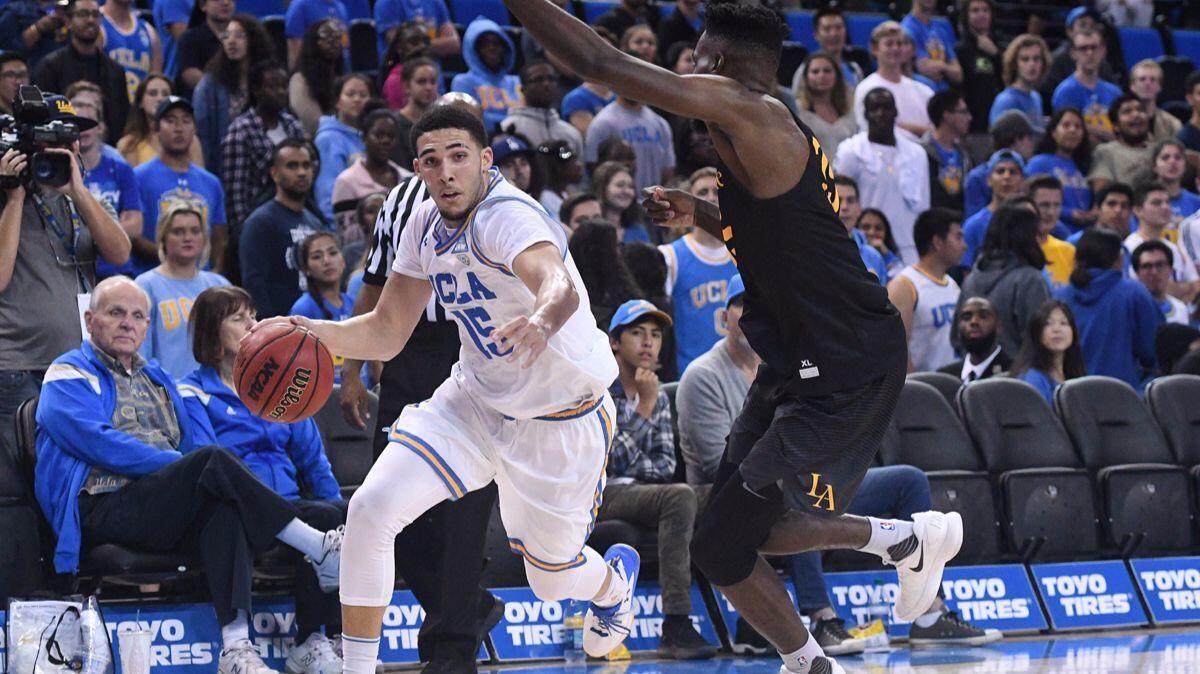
(799, 661)
(928, 619)
(890, 539)
(615, 592)
(304, 538)
(236, 631)
(359, 655)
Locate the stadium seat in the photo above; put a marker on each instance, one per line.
(501, 568)
(1187, 43)
(670, 389)
(261, 8)
(790, 59)
(859, 27)
(946, 384)
(1139, 43)
(21, 554)
(926, 433)
(594, 10)
(801, 25)
(1175, 72)
(275, 28)
(1046, 496)
(466, 11)
(358, 9)
(350, 450)
(364, 55)
(1140, 487)
(1172, 401)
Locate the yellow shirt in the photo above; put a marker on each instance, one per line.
(1060, 259)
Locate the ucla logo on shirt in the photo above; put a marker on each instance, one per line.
(712, 292)
(942, 315)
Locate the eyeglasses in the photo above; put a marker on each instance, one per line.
(231, 34)
(15, 75)
(1088, 47)
(329, 33)
(564, 153)
(1161, 264)
(86, 14)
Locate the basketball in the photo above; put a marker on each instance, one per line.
(283, 373)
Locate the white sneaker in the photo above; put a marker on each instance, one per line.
(314, 656)
(820, 665)
(242, 658)
(937, 538)
(328, 567)
(604, 628)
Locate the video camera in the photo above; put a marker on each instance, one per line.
(30, 129)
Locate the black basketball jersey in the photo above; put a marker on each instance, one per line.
(811, 307)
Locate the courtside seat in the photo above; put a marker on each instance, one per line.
(946, 384)
(1138, 44)
(926, 433)
(351, 451)
(1045, 495)
(1141, 488)
(1173, 402)
(21, 554)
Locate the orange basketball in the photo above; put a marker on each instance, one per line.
(283, 373)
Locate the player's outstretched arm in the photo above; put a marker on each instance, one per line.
(706, 97)
(540, 267)
(679, 209)
(376, 335)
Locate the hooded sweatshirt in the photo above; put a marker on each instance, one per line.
(339, 146)
(1017, 291)
(1117, 319)
(496, 90)
(541, 126)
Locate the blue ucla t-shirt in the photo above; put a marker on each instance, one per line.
(934, 41)
(580, 98)
(303, 13)
(167, 12)
(1093, 103)
(1184, 205)
(112, 182)
(391, 14)
(158, 184)
(1077, 196)
(131, 51)
(950, 171)
(1029, 103)
(170, 307)
(307, 306)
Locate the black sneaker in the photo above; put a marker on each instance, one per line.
(820, 665)
(747, 641)
(833, 638)
(681, 641)
(950, 630)
(450, 666)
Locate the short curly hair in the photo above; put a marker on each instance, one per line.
(747, 26)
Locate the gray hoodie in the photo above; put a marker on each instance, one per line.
(543, 125)
(1017, 291)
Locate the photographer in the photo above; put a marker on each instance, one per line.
(50, 237)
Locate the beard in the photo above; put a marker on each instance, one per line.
(981, 345)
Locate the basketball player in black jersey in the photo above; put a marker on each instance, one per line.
(833, 347)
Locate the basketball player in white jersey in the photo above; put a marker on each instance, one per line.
(925, 294)
(526, 405)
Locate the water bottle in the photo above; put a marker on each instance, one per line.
(573, 633)
(97, 654)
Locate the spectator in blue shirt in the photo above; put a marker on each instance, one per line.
(1051, 354)
(1025, 63)
(612, 183)
(1005, 175)
(182, 240)
(338, 140)
(171, 19)
(850, 208)
(1011, 131)
(490, 56)
(874, 225)
(1065, 153)
(1117, 316)
(303, 13)
(432, 15)
(936, 59)
(1190, 133)
(1084, 90)
(948, 159)
(109, 178)
(321, 263)
(581, 104)
(1169, 165)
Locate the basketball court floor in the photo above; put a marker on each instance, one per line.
(1164, 651)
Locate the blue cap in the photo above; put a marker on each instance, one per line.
(735, 289)
(1005, 155)
(1074, 14)
(632, 311)
(506, 147)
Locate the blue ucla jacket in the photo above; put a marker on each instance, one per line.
(283, 456)
(1117, 320)
(75, 433)
(496, 90)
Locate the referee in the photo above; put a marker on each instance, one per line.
(440, 555)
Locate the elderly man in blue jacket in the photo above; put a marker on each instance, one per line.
(120, 462)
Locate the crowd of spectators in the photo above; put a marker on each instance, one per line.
(1030, 204)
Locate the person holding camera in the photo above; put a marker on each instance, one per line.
(52, 231)
(32, 28)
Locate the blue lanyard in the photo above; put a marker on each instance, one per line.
(50, 219)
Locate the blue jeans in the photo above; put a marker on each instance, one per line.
(891, 492)
(16, 386)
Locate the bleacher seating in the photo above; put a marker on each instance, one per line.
(21, 553)
(261, 8)
(465, 11)
(1138, 44)
(1045, 494)
(1172, 401)
(350, 450)
(859, 27)
(1187, 43)
(1139, 485)
(926, 433)
(946, 384)
(801, 25)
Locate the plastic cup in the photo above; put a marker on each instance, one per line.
(134, 646)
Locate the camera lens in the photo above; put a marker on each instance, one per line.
(43, 170)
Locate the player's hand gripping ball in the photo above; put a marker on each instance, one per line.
(283, 373)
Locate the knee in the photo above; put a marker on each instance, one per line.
(913, 481)
(367, 507)
(706, 542)
(324, 516)
(550, 585)
(680, 498)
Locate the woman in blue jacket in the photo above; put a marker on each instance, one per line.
(288, 458)
(338, 139)
(1051, 353)
(1117, 316)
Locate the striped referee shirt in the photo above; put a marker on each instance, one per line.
(399, 205)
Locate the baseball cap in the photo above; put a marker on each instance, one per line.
(633, 311)
(1074, 14)
(170, 103)
(735, 289)
(61, 110)
(1005, 155)
(1011, 123)
(508, 146)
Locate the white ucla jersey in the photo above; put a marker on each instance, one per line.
(929, 345)
(470, 269)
